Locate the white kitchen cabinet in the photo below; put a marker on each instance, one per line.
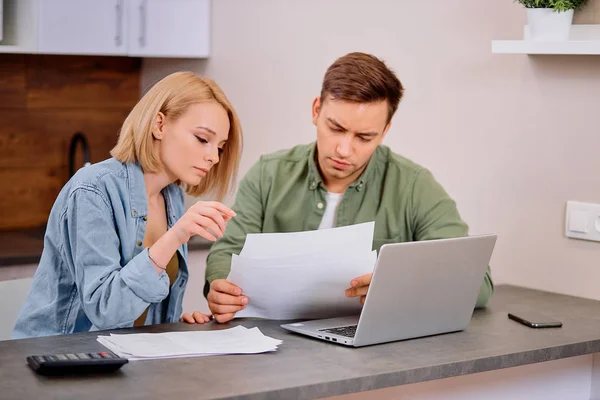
(138, 28)
(169, 28)
(82, 27)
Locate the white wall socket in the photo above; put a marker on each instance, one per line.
(583, 221)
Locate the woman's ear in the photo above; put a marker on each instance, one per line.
(159, 126)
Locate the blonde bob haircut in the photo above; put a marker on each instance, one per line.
(172, 96)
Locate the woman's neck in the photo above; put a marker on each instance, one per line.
(155, 182)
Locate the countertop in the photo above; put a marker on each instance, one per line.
(305, 368)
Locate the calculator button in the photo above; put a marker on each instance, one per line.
(61, 357)
(51, 358)
(71, 356)
(83, 356)
(105, 354)
(95, 355)
(39, 359)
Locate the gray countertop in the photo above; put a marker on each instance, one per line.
(304, 368)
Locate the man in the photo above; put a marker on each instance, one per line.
(347, 177)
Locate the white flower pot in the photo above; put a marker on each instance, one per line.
(549, 26)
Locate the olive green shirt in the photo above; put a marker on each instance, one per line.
(284, 192)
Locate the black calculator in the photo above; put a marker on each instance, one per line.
(76, 363)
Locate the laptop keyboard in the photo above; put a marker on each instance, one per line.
(348, 331)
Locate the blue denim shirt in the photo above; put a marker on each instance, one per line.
(94, 272)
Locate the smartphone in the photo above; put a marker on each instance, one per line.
(534, 319)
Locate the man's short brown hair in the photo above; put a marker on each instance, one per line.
(362, 78)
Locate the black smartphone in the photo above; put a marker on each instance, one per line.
(534, 319)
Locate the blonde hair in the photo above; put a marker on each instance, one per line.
(172, 96)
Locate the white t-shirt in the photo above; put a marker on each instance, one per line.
(328, 221)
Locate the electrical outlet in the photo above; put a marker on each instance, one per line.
(583, 221)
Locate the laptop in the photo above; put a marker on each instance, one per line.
(418, 289)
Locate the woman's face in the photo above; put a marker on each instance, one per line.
(191, 145)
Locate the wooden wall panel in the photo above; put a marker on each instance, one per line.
(39, 137)
(13, 82)
(82, 82)
(28, 194)
(44, 100)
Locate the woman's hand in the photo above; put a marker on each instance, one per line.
(205, 218)
(195, 318)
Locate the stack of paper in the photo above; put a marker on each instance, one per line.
(147, 346)
(303, 274)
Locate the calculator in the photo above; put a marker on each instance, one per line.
(76, 363)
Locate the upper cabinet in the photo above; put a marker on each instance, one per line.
(82, 27)
(169, 28)
(141, 28)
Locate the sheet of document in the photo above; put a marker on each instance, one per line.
(358, 237)
(303, 275)
(148, 346)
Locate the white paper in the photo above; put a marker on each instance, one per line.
(283, 284)
(358, 237)
(148, 346)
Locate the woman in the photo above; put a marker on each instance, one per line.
(115, 249)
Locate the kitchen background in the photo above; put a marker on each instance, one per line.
(511, 137)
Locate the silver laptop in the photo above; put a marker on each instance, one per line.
(418, 289)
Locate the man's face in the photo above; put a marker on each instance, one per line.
(348, 134)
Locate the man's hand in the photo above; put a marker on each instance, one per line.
(359, 287)
(195, 318)
(225, 299)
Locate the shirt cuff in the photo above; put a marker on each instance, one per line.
(140, 276)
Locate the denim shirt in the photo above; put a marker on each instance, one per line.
(94, 272)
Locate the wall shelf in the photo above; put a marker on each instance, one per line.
(583, 40)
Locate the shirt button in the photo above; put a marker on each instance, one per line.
(313, 185)
(134, 213)
(360, 186)
(320, 206)
(139, 242)
(145, 218)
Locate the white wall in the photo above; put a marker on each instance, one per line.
(194, 297)
(512, 138)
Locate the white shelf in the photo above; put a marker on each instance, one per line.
(583, 40)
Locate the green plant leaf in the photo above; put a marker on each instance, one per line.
(556, 5)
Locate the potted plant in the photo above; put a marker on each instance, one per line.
(550, 20)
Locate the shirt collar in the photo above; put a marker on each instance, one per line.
(137, 194)
(315, 179)
(137, 190)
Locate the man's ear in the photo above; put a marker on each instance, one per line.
(316, 109)
(159, 126)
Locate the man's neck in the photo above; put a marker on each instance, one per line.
(335, 185)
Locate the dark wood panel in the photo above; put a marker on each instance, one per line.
(13, 83)
(82, 82)
(21, 246)
(27, 195)
(44, 100)
(41, 138)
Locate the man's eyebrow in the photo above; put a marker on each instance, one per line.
(370, 134)
(335, 123)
